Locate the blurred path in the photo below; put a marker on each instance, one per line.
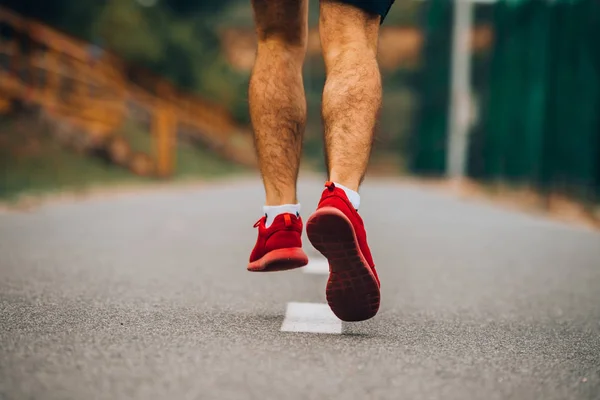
(147, 297)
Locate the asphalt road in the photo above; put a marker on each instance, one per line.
(147, 297)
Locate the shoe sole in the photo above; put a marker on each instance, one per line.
(280, 260)
(352, 291)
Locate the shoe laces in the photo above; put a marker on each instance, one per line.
(287, 219)
(257, 223)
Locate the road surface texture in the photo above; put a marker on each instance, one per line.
(147, 297)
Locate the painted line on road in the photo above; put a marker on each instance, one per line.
(318, 266)
(310, 318)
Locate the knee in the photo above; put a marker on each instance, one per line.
(282, 48)
(290, 37)
(347, 30)
(281, 27)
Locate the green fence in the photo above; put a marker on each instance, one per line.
(427, 149)
(539, 96)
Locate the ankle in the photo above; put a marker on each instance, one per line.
(271, 212)
(278, 197)
(344, 180)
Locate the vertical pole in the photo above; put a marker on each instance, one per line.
(164, 125)
(157, 127)
(457, 144)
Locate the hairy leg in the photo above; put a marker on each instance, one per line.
(352, 93)
(276, 94)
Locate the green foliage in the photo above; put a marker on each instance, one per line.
(184, 48)
(74, 17)
(125, 29)
(177, 39)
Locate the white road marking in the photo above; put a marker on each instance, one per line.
(318, 266)
(311, 318)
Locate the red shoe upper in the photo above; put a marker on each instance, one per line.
(336, 197)
(285, 232)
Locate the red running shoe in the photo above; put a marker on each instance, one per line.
(279, 247)
(337, 231)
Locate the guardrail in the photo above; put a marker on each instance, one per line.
(75, 82)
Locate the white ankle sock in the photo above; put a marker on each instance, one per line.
(273, 211)
(353, 196)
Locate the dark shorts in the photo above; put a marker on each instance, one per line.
(376, 7)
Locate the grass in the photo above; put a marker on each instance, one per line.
(194, 162)
(191, 161)
(32, 163)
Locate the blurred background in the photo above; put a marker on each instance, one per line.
(502, 96)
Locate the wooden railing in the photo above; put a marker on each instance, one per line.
(92, 91)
